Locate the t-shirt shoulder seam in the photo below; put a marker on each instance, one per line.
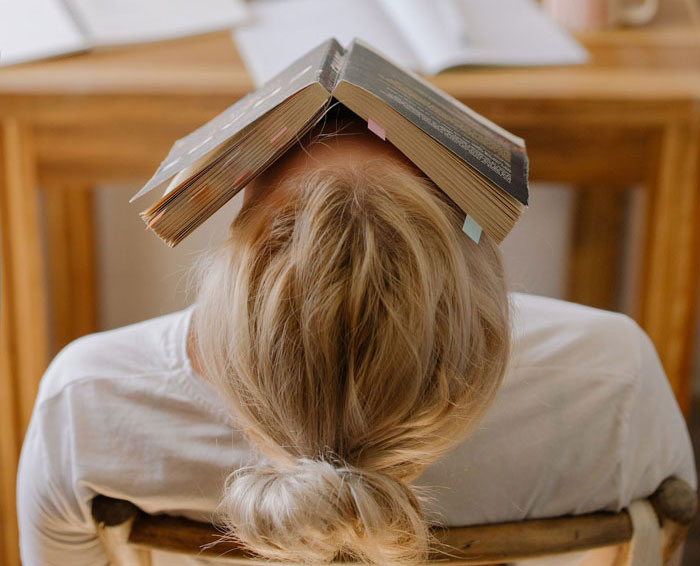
(568, 368)
(179, 373)
(87, 378)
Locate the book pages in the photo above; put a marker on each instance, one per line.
(449, 33)
(507, 32)
(427, 36)
(280, 30)
(430, 28)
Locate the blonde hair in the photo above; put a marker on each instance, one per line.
(358, 335)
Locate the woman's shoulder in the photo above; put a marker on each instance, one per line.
(148, 347)
(553, 333)
(584, 420)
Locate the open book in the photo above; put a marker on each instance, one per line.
(427, 36)
(34, 29)
(480, 166)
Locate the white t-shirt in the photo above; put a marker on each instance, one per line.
(585, 420)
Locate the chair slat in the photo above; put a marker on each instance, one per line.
(675, 503)
(498, 542)
(177, 534)
(477, 544)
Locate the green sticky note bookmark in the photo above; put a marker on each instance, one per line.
(471, 229)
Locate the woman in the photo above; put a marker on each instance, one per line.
(355, 366)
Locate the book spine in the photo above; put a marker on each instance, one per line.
(332, 65)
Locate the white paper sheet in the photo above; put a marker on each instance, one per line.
(34, 29)
(430, 28)
(110, 22)
(509, 32)
(447, 33)
(280, 31)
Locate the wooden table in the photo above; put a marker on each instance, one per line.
(632, 116)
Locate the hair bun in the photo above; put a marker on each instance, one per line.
(315, 510)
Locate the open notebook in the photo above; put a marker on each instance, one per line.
(35, 29)
(481, 167)
(427, 36)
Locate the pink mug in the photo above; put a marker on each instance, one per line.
(598, 14)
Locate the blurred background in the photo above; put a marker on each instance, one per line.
(606, 94)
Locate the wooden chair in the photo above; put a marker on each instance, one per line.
(129, 534)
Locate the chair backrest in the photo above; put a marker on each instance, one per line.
(129, 534)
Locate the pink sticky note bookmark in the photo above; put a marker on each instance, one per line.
(237, 179)
(196, 194)
(375, 128)
(274, 138)
(154, 220)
